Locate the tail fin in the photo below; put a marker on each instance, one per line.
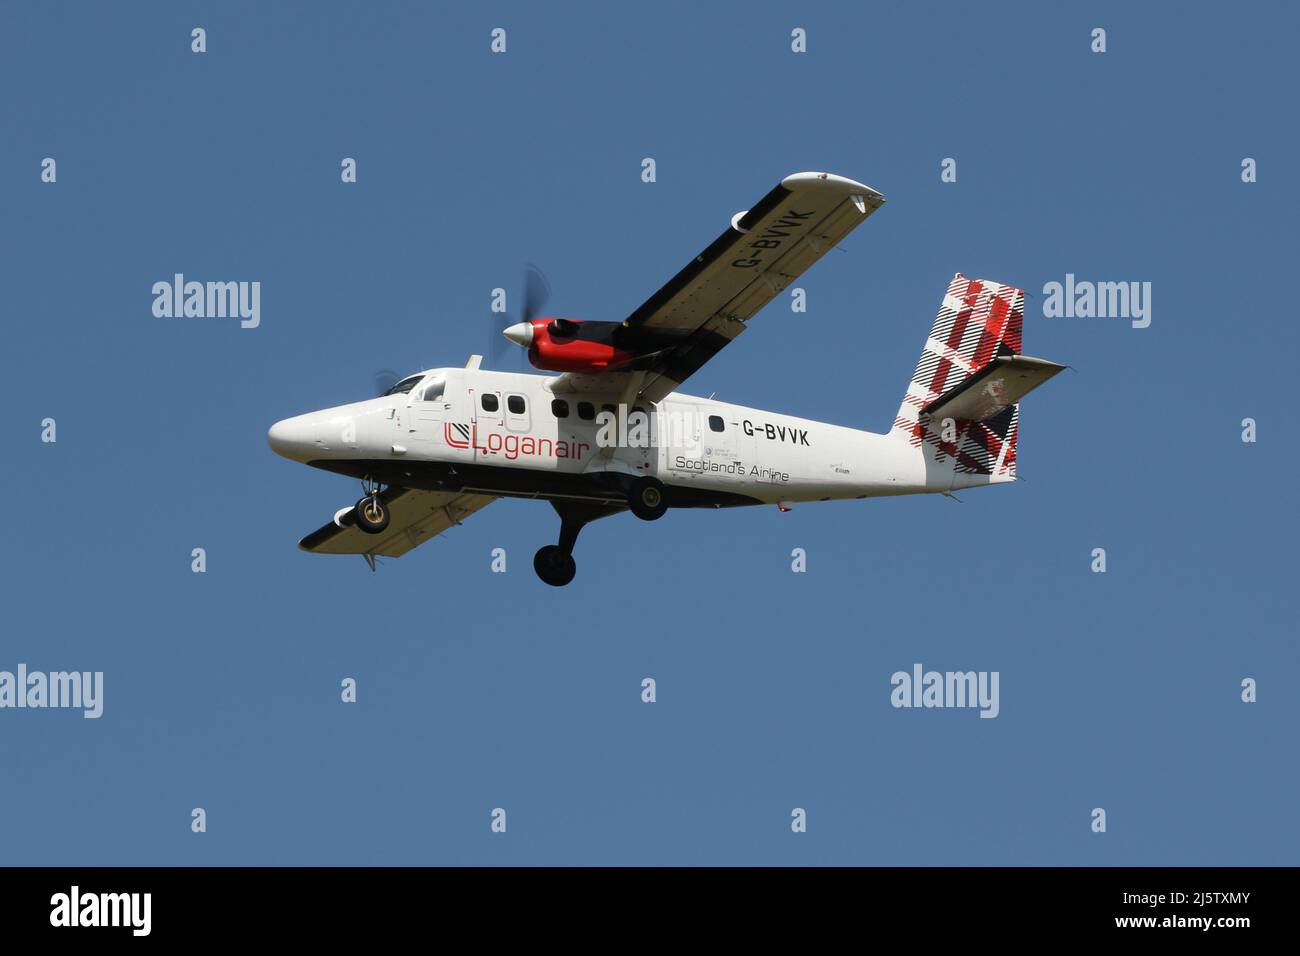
(975, 334)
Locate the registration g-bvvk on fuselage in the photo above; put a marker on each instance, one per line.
(606, 430)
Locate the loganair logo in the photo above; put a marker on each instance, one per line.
(511, 447)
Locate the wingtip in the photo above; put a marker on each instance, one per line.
(842, 184)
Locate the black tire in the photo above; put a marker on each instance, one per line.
(371, 514)
(647, 499)
(554, 566)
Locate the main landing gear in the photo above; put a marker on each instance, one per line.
(646, 498)
(371, 512)
(554, 564)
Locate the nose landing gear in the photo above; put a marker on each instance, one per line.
(371, 512)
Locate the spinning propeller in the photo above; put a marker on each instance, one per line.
(537, 291)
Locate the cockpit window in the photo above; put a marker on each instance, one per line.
(405, 385)
(433, 391)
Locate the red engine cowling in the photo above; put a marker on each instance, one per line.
(569, 345)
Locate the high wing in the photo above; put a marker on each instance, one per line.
(708, 303)
(417, 516)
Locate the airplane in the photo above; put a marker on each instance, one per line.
(604, 430)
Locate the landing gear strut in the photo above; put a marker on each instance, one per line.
(371, 512)
(554, 563)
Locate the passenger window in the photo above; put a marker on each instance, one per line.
(515, 403)
(715, 423)
(586, 411)
(560, 408)
(490, 403)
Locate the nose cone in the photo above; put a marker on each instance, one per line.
(293, 438)
(521, 333)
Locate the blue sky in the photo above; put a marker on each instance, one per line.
(479, 690)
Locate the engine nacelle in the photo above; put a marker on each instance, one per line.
(571, 345)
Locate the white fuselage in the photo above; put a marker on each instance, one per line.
(510, 433)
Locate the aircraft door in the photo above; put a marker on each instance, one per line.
(426, 411)
(642, 431)
(722, 441)
(486, 413)
(681, 432)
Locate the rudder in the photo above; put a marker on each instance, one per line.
(977, 322)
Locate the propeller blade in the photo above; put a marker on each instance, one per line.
(498, 345)
(537, 292)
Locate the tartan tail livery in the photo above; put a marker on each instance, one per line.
(961, 411)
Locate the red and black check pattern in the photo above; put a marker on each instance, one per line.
(977, 321)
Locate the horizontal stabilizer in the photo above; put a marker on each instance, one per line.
(999, 384)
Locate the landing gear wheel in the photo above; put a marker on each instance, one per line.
(554, 566)
(646, 498)
(372, 514)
